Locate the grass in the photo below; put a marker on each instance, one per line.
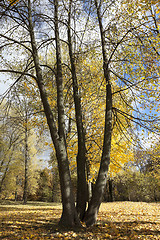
(118, 220)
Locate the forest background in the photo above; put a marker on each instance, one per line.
(75, 50)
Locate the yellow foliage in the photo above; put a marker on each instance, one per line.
(12, 2)
(93, 103)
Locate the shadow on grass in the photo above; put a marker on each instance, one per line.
(49, 229)
(133, 230)
(29, 203)
(41, 222)
(18, 228)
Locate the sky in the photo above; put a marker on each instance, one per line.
(3, 86)
(5, 83)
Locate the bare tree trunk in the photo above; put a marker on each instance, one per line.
(81, 156)
(10, 150)
(89, 182)
(110, 188)
(97, 197)
(26, 158)
(69, 215)
(5, 173)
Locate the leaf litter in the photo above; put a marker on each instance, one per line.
(117, 220)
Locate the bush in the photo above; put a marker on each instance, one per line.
(135, 186)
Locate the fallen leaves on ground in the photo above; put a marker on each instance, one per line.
(118, 220)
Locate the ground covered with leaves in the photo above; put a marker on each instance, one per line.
(118, 220)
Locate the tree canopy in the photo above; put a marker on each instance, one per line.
(89, 71)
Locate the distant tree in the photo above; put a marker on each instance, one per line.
(45, 185)
(18, 163)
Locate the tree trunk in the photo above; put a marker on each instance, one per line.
(110, 188)
(16, 191)
(81, 156)
(98, 192)
(97, 197)
(25, 190)
(69, 216)
(89, 183)
(10, 150)
(5, 173)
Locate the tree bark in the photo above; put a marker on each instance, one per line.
(5, 173)
(81, 156)
(25, 190)
(69, 216)
(110, 188)
(97, 197)
(89, 182)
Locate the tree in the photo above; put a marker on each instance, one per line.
(44, 191)
(20, 146)
(125, 54)
(11, 144)
(81, 155)
(69, 215)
